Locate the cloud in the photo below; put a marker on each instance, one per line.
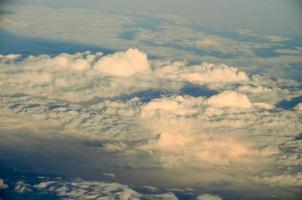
(208, 197)
(281, 180)
(48, 187)
(201, 74)
(294, 51)
(80, 189)
(271, 38)
(178, 105)
(230, 137)
(9, 58)
(262, 105)
(124, 64)
(254, 89)
(3, 185)
(69, 76)
(183, 125)
(22, 187)
(231, 132)
(230, 99)
(298, 107)
(178, 149)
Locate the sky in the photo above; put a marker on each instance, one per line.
(139, 99)
(270, 16)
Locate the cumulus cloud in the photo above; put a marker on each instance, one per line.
(185, 136)
(254, 89)
(230, 99)
(124, 64)
(204, 73)
(9, 58)
(262, 105)
(220, 133)
(59, 187)
(190, 130)
(80, 189)
(22, 187)
(236, 133)
(178, 105)
(69, 76)
(179, 149)
(3, 185)
(298, 107)
(208, 197)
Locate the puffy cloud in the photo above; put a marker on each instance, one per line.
(230, 99)
(199, 150)
(9, 58)
(69, 76)
(190, 130)
(178, 105)
(3, 185)
(254, 89)
(204, 73)
(232, 132)
(124, 64)
(78, 61)
(80, 189)
(208, 197)
(298, 107)
(59, 187)
(83, 95)
(22, 187)
(264, 105)
(184, 134)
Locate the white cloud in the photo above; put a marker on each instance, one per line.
(208, 197)
(22, 187)
(201, 74)
(232, 132)
(79, 189)
(264, 105)
(9, 58)
(186, 132)
(254, 89)
(294, 51)
(281, 180)
(179, 106)
(298, 107)
(3, 185)
(69, 76)
(271, 38)
(124, 64)
(230, 99)
(234, 135)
